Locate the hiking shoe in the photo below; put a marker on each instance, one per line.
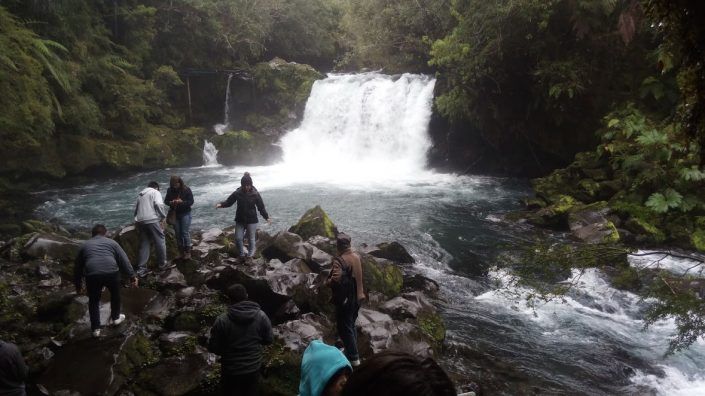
(96, 333)
(355, 362)
(142, 272)
(115, 322)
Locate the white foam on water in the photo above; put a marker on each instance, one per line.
(657, 260)
(674, 382)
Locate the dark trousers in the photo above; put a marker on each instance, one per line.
(239, 385)
(94, 287)
(345, 317)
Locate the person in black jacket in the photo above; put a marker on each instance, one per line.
(13, 370)
(179, 198)
(238, 337)
(248, 202)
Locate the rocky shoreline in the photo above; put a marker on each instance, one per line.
(160, 349)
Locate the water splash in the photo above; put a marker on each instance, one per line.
(210, 154)
(221, 128)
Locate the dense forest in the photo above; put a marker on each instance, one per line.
(523, 86)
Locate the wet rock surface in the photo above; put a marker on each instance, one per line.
(160, 348)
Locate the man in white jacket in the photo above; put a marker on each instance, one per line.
(149, 219)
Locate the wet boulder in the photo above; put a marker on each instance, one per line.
(50, 246)
(418, 282)
(325, 244)
(171, 279)
(315, 222)
(381, 276)
(407, 306)
(286, 246)
(62, 306)
(554, 215)
(590, 225)
(393, 251)
(177, 343)
(258, 287)
(378, 332)
(297, 334)
(177, 375)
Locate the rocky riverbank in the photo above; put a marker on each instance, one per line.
(160, 349)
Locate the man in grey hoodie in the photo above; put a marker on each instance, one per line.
(149, 219)
(100, 260)
(238, 337)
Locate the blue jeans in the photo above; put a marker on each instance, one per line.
(240, 236)
(182, 228)
(345, 317)
(151, 232)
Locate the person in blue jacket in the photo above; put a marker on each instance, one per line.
(324, 370)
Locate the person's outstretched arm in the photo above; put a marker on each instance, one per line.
(228, 202)
(260, 207)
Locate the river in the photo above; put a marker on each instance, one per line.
(359, 153)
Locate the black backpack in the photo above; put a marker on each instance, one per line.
(345, 290)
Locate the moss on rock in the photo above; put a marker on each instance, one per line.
(432, 325)
(315, 222)
(384, 278)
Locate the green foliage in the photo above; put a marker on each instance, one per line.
(392, 34)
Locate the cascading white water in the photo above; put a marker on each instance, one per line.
(221, 128)
(210, 154)
(360, 127)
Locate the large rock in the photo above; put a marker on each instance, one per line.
(258, 287)
(556, 214)
(378, 332)
(315, 222)
(177, 375)
(380, 276)
(297, 334)
(286, 246)
(591, 226)
(50, 246)
(393, 251)
(171, 279)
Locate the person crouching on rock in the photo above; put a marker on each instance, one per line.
(179, 198)
(248, 203)
(100, 261)
(345, 280)
(324, 370)
(238, 337)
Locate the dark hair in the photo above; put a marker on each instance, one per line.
(399, 374)
(153, 184)
(345, 371)
(99, 229)
(246, 179)
(177, 179)
(237, 293)
(342, 241)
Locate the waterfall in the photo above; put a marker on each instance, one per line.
(221, 128)
(363, 127)
(210, 154)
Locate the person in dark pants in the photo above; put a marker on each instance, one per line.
(13, 370)
(348, 293)
(180, 199)
(248, 202)
(100, 260)
(238, 336)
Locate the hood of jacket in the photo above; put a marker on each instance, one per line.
(243, 312)
(318, 365)
(147, 190)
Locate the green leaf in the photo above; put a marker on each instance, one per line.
(652, 137)
(612, 122)
(692, 174)
(657, 202)
(673, 198)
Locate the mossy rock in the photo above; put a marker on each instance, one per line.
(315, 222)
(282, 370)
(384, 278)
(139, 351)
(556, 214)
(185, 321)
(431, 324)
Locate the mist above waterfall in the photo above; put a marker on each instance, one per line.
(362, 127)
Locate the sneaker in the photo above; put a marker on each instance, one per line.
(115, 322)
(142, 272)
(355, 362)
(96, 333)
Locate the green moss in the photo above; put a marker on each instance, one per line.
(210, 313)
(138, 352)
(315, 222)
(383, 278)
(433, 326)
(183, 348)
(282, 370)
(186, 321)
(613, 236)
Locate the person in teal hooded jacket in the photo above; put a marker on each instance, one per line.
(324, 370)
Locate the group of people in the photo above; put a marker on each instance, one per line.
(239, 335)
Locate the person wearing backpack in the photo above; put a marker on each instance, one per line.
(345, 281)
